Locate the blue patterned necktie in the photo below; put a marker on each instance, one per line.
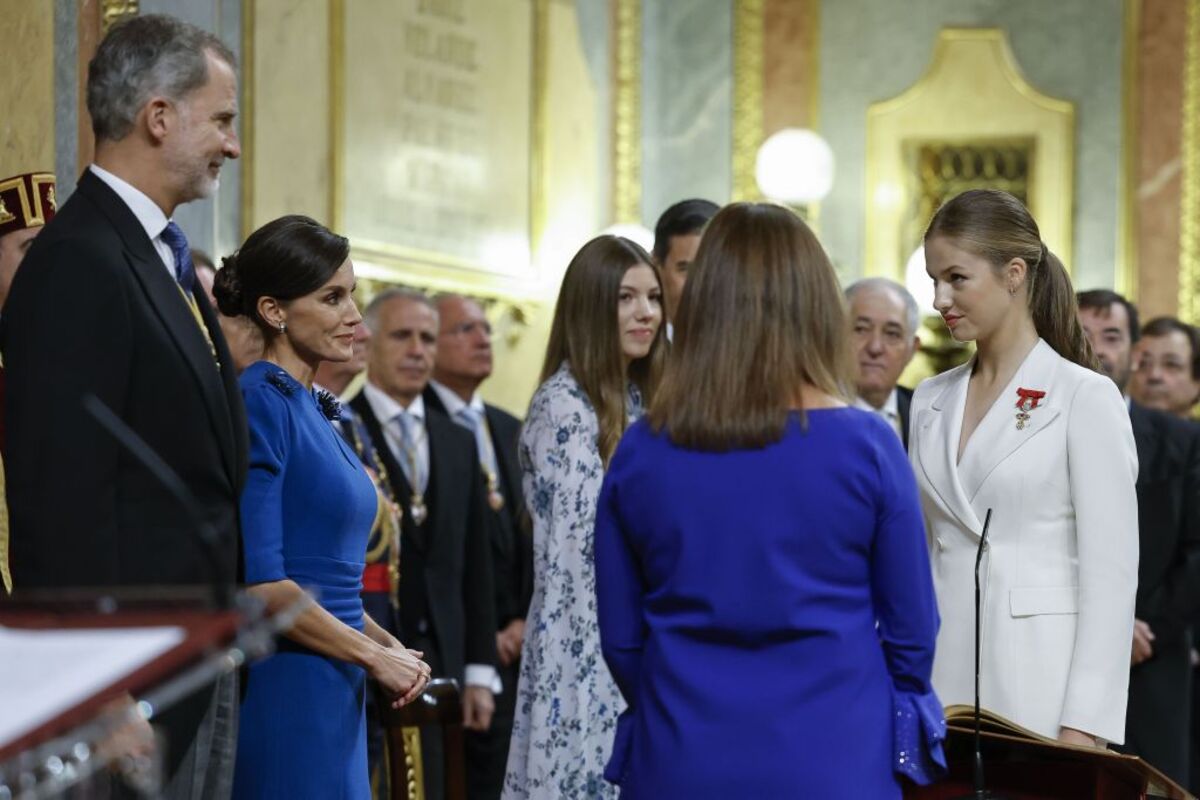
(185, 272)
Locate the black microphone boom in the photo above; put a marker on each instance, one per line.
(980, 793)
(133, 444)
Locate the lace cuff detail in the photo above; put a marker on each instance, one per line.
(919, 730)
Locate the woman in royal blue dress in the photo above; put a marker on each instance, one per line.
(764, 593)
(307, 511)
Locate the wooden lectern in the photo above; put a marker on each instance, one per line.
(1021, 765)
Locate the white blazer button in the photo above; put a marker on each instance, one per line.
(940, 544)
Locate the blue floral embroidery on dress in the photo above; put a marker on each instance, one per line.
(567, 702)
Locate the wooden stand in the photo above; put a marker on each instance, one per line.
(1020, 768)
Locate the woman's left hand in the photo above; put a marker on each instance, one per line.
(1072, 736)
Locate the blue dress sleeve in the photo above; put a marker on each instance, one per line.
(619, 590)
(906, 610)
(262, 499)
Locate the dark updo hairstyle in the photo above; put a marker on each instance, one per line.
(998, 227)
(286, 259)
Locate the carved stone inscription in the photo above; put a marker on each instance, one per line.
(436, 130)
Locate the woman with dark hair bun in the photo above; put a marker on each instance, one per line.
(1028, 434)
(307, 510)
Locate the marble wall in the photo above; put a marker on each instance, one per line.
(874, 49)
(687, 102)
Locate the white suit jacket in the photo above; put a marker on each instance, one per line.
(1059, 571)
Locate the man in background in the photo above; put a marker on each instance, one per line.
(447, 606)
(884, 317)
(1167, 373)
(464, 362)
(1157, 722)
(676, 240)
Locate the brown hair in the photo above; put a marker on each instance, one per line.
(585, 334)
(997, 227)
(761, 317)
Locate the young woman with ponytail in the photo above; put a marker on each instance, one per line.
(1028, 433)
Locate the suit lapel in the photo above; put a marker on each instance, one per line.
(1146, 437)
(444, 473)
(997, 436)
(937, 448)
(172, 309)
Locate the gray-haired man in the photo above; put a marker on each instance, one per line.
(107, 304)
(884, 317)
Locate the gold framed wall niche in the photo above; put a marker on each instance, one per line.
(435, 141)
(972, 100)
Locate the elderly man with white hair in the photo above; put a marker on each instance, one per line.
(884, 317)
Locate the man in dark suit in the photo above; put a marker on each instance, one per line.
(1168, 488)
(447, 607)
(106, 304)
(464, 362)
(885, 319)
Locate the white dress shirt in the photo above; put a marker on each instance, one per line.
(151, 217)
(890, 410)
(385, 409)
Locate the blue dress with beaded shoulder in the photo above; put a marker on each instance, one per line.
(307, 511)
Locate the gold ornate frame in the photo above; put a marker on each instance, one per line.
(626, 70)
(747, 96)
(973, 90)
(379, 262)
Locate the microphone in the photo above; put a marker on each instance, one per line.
(206, 535)
(980, 793)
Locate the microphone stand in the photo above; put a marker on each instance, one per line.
(206, 535)
(980, 793)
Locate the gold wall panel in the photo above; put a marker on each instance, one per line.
(27, 88)
(747, 96)
(1189, 205)
(972, 92)
(627, 111)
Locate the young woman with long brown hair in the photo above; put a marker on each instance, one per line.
(603, 363)
(1028, 432)
(764, 594)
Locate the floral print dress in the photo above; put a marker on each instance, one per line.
(567, 702)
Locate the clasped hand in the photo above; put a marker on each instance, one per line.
(401, 673)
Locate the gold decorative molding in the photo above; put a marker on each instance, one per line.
(973, 91)
(1189, 204)
(337, 77)
(627, 111)
(1125, 275)
(246, 116)
(747, 96)
(113, 11)
(538, 211)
